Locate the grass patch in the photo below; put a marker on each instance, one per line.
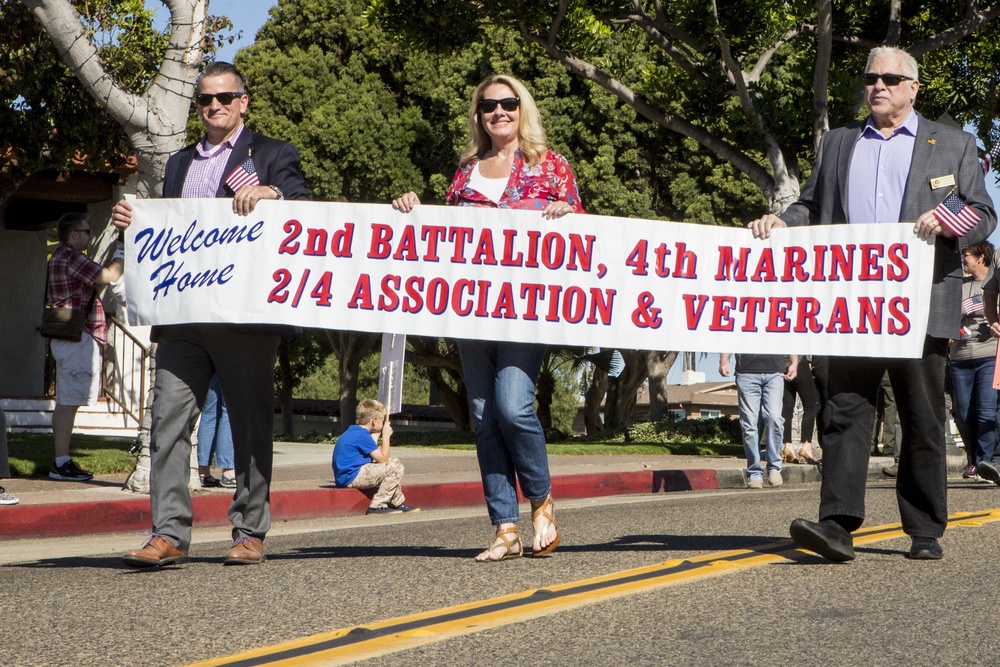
(695, 437)
(31, 454)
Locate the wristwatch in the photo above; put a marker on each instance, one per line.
(277, 191)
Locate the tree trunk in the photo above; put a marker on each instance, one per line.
(138, 479)
(659, 364)
(592, 399)
(350, 347)
(425, 352)
(620, 403)
(456, 402)
(544, 391)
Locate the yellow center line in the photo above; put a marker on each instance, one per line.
(396, 634)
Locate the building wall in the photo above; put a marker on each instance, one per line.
(22, 350)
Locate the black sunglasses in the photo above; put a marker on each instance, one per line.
(225, 99)
(507, 104)
(891, 80)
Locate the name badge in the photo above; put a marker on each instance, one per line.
(943, 182)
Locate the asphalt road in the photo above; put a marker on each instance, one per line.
(70, 602)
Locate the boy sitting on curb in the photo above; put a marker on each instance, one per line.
(359, 462)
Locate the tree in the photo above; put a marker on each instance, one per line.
(298, 356)
(48, 120)
(152, 111)
(731, 75)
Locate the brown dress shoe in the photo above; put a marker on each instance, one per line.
(245, 551)
(157, 552)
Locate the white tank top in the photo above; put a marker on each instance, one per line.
(491, 188)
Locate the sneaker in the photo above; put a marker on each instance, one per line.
(969, 472)
(755, 483)
(774, 478)
(8, 498)
(70, 472)
(383, 510)
(989, 471)
(404, 508)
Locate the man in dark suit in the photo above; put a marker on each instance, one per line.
(229, 161)
(896, 166)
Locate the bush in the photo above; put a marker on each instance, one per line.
(714, 432)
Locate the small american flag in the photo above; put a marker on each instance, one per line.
(955, 216)
(973, 304)
(243, 174)
(986, 162)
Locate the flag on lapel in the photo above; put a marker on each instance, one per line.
(243, 174)
(955, 216)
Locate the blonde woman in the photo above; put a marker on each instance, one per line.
(508, 164)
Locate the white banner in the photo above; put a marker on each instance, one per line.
(504, 275)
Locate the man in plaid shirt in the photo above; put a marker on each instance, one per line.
(73, 281)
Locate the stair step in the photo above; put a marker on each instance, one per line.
(34, 415)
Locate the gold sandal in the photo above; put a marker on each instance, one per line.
(806, 455)
(787, 453)
(502, 541)
(545, 511)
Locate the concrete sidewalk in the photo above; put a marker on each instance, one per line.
(302, 488)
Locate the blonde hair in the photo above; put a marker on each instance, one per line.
(531, 140)
(368, 410)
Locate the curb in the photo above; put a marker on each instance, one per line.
(133, 514)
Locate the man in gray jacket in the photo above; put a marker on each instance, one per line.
(895, 166)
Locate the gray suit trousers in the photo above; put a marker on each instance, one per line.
(187, 357)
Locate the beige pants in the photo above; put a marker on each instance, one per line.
(386, 477)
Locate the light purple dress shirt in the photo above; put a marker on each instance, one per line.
(879, 168)
(205, 173)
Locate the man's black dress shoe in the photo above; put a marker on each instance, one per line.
(826, 538)
(925, 548)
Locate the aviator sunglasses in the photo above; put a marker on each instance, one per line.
(507, 104)
(225, 99)
(890, 80)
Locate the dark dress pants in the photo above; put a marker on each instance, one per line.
(187, 357)
(921, 486)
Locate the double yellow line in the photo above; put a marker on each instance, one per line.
(397, 634)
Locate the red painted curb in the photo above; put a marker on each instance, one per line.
(133, 514)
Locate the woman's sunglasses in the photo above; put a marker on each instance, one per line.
(507, 104)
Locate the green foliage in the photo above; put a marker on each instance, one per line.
(685, 76)
(323, 382)
(47, 118)
(375, 116)
(704, 432)
(307, 352)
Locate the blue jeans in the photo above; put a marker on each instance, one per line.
(760, 397)
(213, 431)
(510, 443)
(975, 406)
